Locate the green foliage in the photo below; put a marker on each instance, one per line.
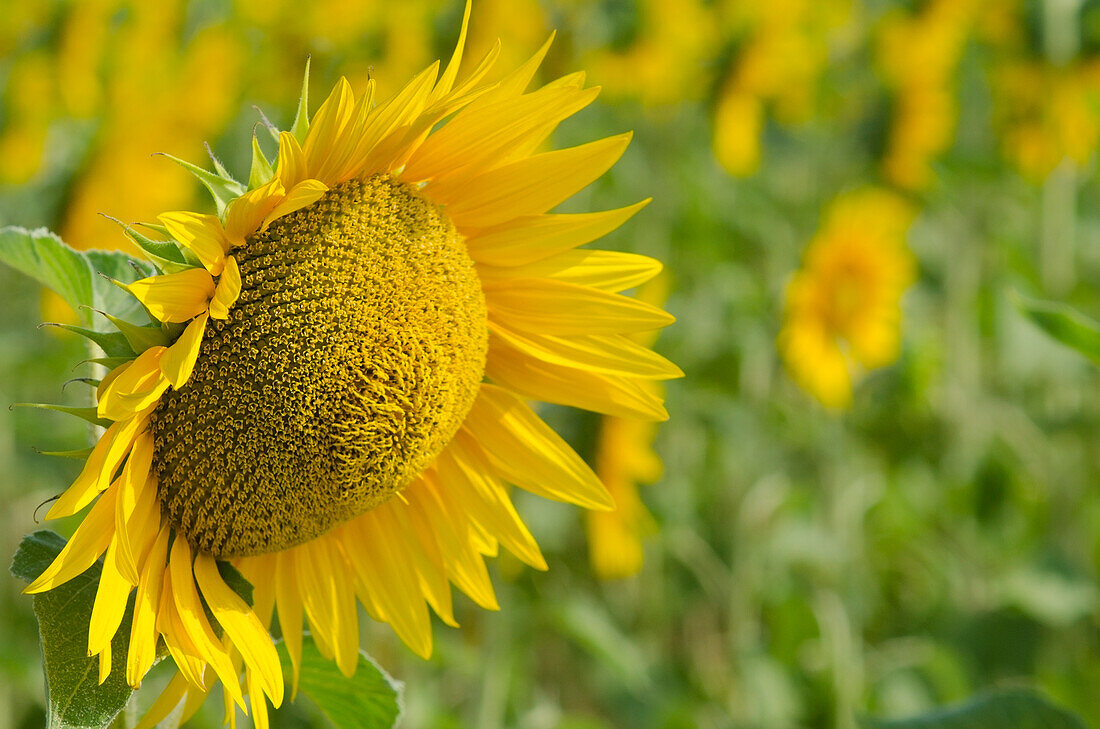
(77, 276)
(1010, 709)
(75, 697)
(370, 699)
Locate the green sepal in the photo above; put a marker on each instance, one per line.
(189, 259)
(90, 381)
(113, 344)
(301, 117)
(223, 189)
(139, 338)
(218, 166)
(89, 414)
(164, 254)
(78, 453)
(261, 172)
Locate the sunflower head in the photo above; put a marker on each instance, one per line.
(331, 392)
(351, 357)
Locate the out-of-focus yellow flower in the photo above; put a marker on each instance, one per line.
(1046, 114)
(624, 459)
(666, 62)
(918, 56)
(842, 309)
(784, 49)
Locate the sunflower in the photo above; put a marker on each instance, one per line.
(842, 312)
(332, 397)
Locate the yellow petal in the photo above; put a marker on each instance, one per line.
(610, 354)
(89, 541)
(604, 270)
(556, 308)
(256, 699)
(184, 653)
(447, 80)
(288, 601)
(109, 605)
(137, 388)
(324, 140)
(192, 617)
(291, 167)
(178, 362)
(202, 234)
(100, 468)
(390, 115)
(423, 551)
(608, 394)
(517, 81)
(304, 193)
(242, 626)
(534, 237)
(329, 600)
(104, 664)
(136, 508)
(389, 582)
(175, 297)
(477, 140)
(429, 506)
(529, 186)
(227, 291)
(244, 215)
(463, 470)
(143, 633)
(168, 700)
(527, 452)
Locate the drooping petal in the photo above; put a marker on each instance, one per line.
(227, 291)
(525, 451)
(192, 617)
(143, 634)
(615, 395)
(109, 605)
(175, 297)
(242, 626)
(178, 362)
(90, 540)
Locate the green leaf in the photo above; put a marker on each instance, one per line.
(73, 274)
(367, 700)
(1064, 323)
(1008, 709)
(75, 697)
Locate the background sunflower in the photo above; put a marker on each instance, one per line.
(934, 538)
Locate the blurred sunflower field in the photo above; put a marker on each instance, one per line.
(877, 493)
